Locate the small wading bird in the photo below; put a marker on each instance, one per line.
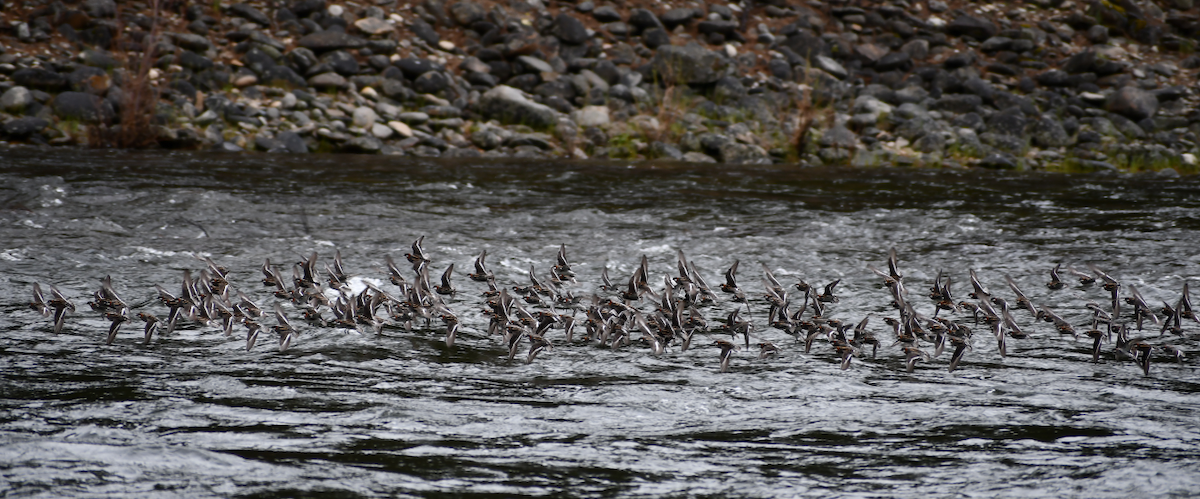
(640, 317)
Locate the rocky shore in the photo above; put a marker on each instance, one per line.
(1040, 84)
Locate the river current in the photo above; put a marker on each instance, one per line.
(348, 413)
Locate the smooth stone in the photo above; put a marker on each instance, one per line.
(400, 128)
(589, 116)
(374, 26)
(328, 80)
(16, 99)
(249, 13)
(363, 117)
(381, 131)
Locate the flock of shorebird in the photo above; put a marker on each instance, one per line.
(635, 313)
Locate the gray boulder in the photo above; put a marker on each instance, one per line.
(570, 30)
(83, 107)
(689, 64)
(16, 99)
(24, 127)
(510, 105)
(292, 142)
(1133, 103)
(431, 83)
(1048, 132)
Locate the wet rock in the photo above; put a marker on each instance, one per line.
(292, 142)
(690, 64)
(570, 30)
(83, 107)
(509, 105)
(1133, 103)
(365, 144)
(39, 78)
(23, 127)
(974, 27)
(697, 157)
(431, 83)
(331, 40)
(15, 100)
(999, 161)
(664, 150)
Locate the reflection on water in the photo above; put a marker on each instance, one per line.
(341, 413)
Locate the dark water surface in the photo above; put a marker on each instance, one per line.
(344, 414)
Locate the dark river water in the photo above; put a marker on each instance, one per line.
(348, 413)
